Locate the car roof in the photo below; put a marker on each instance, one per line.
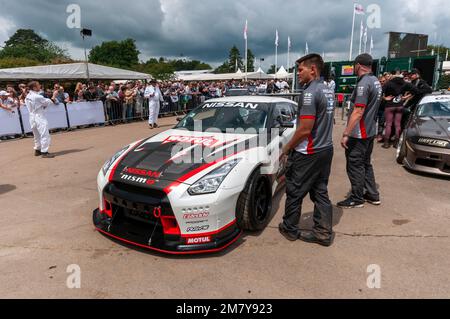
(435, 97)
(253, 99)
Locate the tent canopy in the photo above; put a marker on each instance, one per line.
(73, 71)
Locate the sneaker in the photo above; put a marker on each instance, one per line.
(37, 153)
(311, 238)
(156, 125)
(350, 203)
(151, 126)
(287, 234)
(47, 155)
(372, 200)
(386, 145)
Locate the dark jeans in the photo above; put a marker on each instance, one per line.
(381, 120)
(394, 116)
(309, 174)
(360, 169)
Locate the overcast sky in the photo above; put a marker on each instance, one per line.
(206, 29)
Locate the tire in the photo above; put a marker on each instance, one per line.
(254, 207)
(401, 150)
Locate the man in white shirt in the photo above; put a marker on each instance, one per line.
(36, 105)
(154, 96)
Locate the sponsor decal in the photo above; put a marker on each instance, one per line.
(142, 172)
(197, 229)
(242, 105)
(208, 141)
(198, 240)
(135, 179)
(196, 213)
(360, 91)
(433, 142)
(347, 70)
(197, 222)
(139, 180)
(307, 99)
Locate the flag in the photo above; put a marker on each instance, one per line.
(277, 39)
(359, 9)
(246, 30)
(289, 43)
(365, 36)
(371, 44)
(306, 49)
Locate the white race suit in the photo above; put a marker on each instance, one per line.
(154, 97)
(36, 105)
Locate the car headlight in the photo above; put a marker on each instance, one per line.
(108, 164)
(211, 182)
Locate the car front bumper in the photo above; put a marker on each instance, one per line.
(136, 216)
(427, 159)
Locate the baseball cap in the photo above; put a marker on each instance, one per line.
(364, 59)
(4, 93)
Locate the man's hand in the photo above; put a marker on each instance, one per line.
(389, 98)
(287, 149)
(344, 142)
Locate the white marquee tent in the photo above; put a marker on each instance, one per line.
(73, 71)
(239, 75)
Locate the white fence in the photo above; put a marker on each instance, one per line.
(59, 117)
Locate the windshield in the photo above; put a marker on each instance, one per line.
(435, 109)
(226, 116)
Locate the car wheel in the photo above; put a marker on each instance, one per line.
(254, 206)
(401, 150)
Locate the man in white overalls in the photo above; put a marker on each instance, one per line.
(36, 105)
(153, 94)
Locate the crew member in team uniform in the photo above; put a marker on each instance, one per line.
(310, 156)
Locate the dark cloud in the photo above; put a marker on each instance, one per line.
(206, 29)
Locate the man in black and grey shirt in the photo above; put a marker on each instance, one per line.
(359, 136)
(310, 155)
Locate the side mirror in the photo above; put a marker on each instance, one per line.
(287, 125)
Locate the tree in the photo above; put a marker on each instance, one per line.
(235, 59)
(121, 54)
(272, 69)
(444, 82)
(233, 63)
(159, 69)
(6, 63)
(439, 50)
(251, 61)
(26, 44)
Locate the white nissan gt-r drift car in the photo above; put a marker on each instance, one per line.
(196, 187)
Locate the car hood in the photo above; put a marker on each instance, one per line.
(438, 127)
(158, 162)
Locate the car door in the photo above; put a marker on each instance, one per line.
(283, 112)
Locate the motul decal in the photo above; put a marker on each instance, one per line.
(198, 240)
(205, 141)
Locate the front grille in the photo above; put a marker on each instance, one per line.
(427, 162)
(134, 198)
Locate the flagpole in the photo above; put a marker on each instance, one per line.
(371, 44)
(353, 33)
(361, 31)
(289, 54)
(246, 57)
(365, 40)
(276, 51)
